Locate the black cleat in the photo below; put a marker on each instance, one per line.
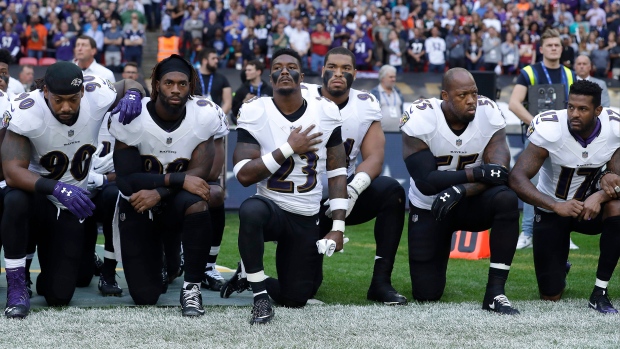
(499, 304)
(599, 301)
(235, 284)
(213, 280)
(109, 288)
(98, 265)
(385, 294)
(262, 312)
(164, 279)
(191, 301)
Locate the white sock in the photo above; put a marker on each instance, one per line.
(600, 283)
(378, 257)
(261, 292)
(501, 266)
(15, 263)
(243, 273)
(211, 265)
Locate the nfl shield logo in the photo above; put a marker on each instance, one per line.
(584, 155)
(70, 133)
(459, 142)
(122, 216)
(414, 218)
(537, 218)
(169, 140)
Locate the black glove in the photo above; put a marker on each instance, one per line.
(493, 174)
(446, 200)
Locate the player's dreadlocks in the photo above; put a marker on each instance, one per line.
(173, 63)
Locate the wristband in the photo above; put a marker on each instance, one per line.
(338, 204)
(360, 182)
(271, 163)
(338, 225)
(45, 186)
(176, 180)
(240, 165)
(105, 180)
(287, 150)
(341, 171)
(163, 192)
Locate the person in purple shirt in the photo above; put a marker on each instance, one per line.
(9, 40)
(64, 42)
(341, 35)
(361, 46)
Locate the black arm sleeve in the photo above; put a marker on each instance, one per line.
(244, 136)
(335, 138)
(422, 168)
(129, 176)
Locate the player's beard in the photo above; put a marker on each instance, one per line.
(172, 108)
(65, 121)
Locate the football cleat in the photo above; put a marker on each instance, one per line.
(213, 280)
(524, 241)
(499, 304)
(164, 279)
(28, 284)
(191, 301)
(109, 288)
(262, 312)
(599, 301)
(17, 299)
(235, 284)
(182, 263)
(98, 265)
(385, 294)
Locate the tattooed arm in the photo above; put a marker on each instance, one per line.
(15, 160)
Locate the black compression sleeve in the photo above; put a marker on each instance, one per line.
(422, 168)
(45, 186)
(243, 136)
(129, 176)
(335, 138)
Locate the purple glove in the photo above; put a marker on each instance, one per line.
(129, 107)
(74, 199)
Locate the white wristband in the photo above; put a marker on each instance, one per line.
(341, 171)
(338, 204)
(239, 165)
(338, 225)
(286, 150)
(271, 163)
(360, 182)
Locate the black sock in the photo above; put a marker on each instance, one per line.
(497, 281)
(109, 269)
(259, 290)
(196, 237)
(218, 221)
(382, 273)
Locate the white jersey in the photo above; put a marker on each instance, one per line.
(222, 130)
(59, 151)
(295, 187)
(167, 152)
(361, 111)
(571, 168)
(425, 120)
(105, 137)
(5, 104)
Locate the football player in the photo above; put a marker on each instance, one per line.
(370, 195)
(284, 144)
(456, 153)
(570, 147)
(162, 161)
(46, 154)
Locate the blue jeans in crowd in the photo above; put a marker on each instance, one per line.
(316, 63)
(436, 68)
(36, 54)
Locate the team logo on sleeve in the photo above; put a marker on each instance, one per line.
(530, 129)
(6, 119)
(403, 119)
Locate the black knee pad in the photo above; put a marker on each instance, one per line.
(505, 203)
(17, 201)
(254, 211)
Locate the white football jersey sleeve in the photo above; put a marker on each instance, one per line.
(295, 187)
(571, 168)
(425, 120)
(165, 151)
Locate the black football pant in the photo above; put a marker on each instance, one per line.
(143, 240)
(430, 240)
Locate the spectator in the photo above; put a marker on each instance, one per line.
(510, 55)
(527, 51)
(613, 18)
(148, 13)
(14, 86)
(416, 52)
(362, 47)
(93, 29)
(383, 28)
(26, 76)
(261, 30)
(614, 54)
(220, 46)
(210, 27)
(194, 25)
(280, 39)
(75, 23)
(321, 42)
(64, 42)
(592, 43)
(250, 49)
(455, 42)
(9, 40)
(134, 40)
(600, 59)
(85, 51)
(568, 53)
(491, 48)
(435, 47)
(254, 86)
(395, 50)
(212, 84)
(113, 40)
(36, 35)
(390, 98)
(596, 13)
(127, 15)
(299, 40)
(131, 71)
(583, 67)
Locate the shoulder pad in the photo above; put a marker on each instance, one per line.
(206, 116)
(547, 127)
(331, 112)
(614, 120)
(24, 115)
(492, 112)
(366, 104)
(420, 119)
(309, 90)
(251, 112)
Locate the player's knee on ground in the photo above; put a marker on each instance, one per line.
(273, 289)
(145, 295)
(426, 286)
(551, 285)
(216, 196)
(505, 204)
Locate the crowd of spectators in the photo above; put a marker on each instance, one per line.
(410, 35)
